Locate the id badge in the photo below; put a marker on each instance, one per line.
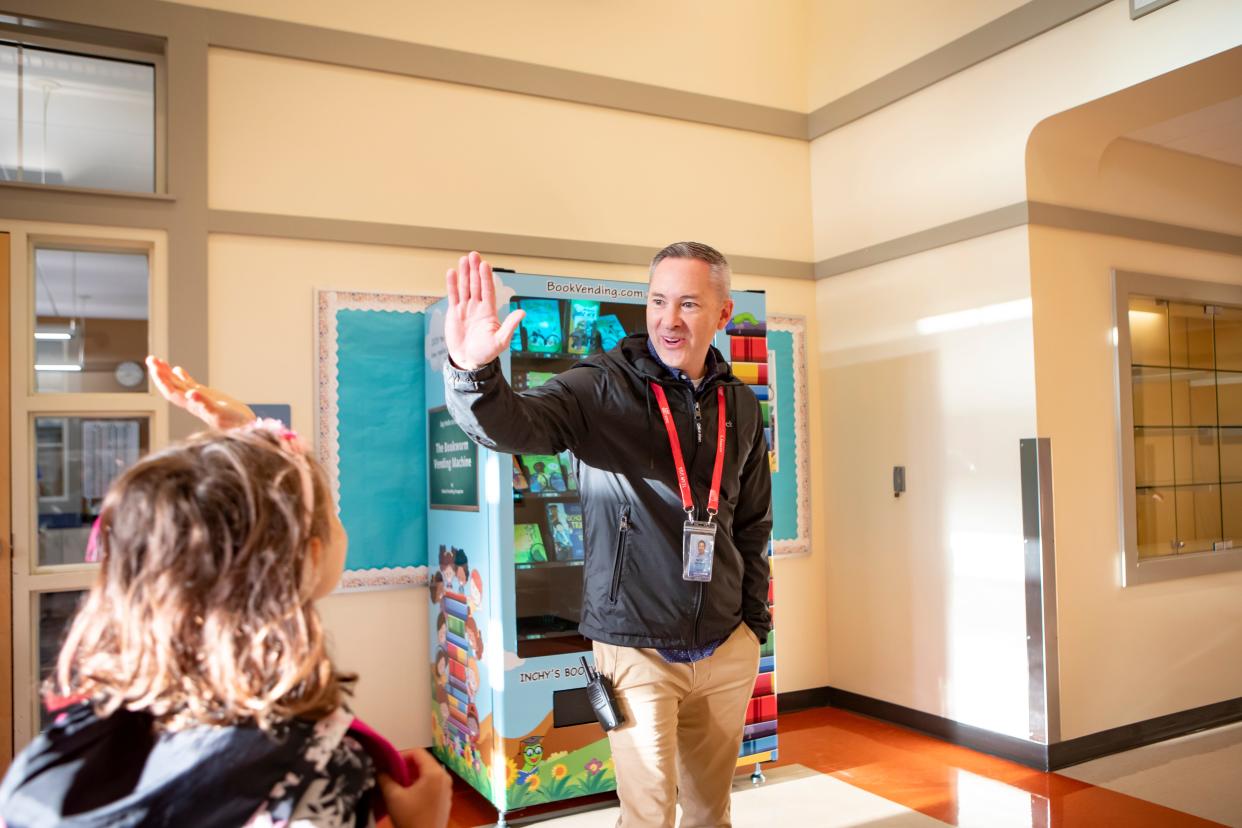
(698, 550)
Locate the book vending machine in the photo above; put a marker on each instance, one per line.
(505, 538)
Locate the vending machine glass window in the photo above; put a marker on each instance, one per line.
(548, 541)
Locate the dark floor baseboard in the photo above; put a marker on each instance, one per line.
(1025, 752)
(1032, 754)
(1128, 737)
(804, 699)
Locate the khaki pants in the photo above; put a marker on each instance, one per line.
(682, 732)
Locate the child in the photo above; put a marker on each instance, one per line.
(195, 685)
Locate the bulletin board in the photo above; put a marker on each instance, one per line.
(372, 426)
(791, 483)
(371, 431)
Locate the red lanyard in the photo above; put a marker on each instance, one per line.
(683, 477)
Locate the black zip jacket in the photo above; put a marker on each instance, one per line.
(604, 412)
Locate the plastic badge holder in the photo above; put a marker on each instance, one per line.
(599, 691)
(698, 550)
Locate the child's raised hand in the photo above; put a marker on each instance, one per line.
(215, 408)
(426, 803)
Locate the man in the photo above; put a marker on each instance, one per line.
(641, 420)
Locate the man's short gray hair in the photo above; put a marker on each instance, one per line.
(722, 275)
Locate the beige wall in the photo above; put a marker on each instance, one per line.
(1132, 653)
(262, 350)
(925, 592)
(958, 148)
(926, 362)
(1127, 654)
(304, 138)
(856, 43)
(747, 50)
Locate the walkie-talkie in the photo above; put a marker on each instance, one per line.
(599, 691)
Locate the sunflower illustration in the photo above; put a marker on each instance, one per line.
(559, 772)
(532, 782)
(511, 777)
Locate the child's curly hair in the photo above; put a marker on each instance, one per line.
(202, 612)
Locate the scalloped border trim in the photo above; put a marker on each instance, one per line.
(801, 544)
(327, 431)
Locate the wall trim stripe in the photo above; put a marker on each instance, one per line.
(971, 227)
(1130, 227)
(1018, 26)
(442, 238)
(1031, 213)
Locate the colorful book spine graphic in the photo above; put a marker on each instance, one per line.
(460, 694)
(748, 351)
(455, 609)
(759, 740)
(458, 652)
(457, 672)
(751, 373)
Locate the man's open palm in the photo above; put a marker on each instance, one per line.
(472, 331)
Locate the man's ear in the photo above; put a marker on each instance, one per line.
(726, 313)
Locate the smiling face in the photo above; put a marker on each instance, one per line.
(685, 308)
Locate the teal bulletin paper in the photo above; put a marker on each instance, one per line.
(372, 432)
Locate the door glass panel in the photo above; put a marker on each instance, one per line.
(55, 612)
(90, 321)
(76, 459)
